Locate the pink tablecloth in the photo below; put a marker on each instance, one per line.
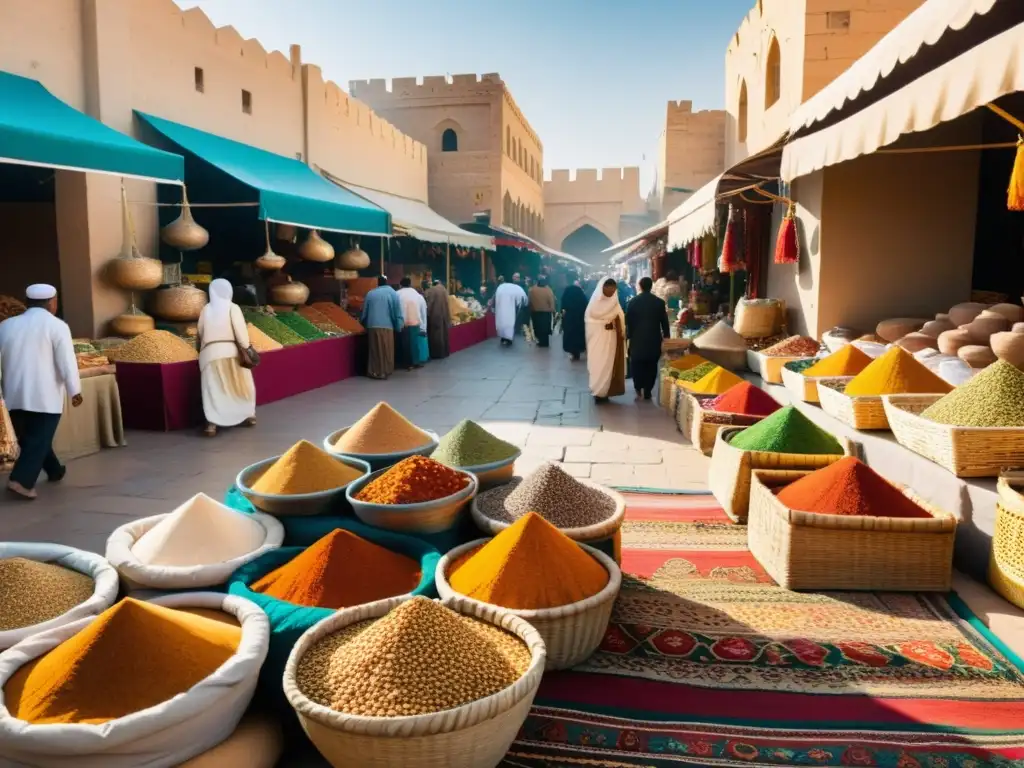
(167, 397)
(466, 335)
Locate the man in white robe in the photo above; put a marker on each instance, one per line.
(38, 363)
(509, 300)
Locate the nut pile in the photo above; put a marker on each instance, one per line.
(993, 398)
(553, 494)
(794, 346)
(32, 592)
(412, 481)
(418, 659)
(153, 347)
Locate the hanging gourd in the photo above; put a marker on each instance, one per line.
(178, 304)
(289, 294)
(184, 233)
(269, 260)
(132, 323)
(315, 248)
(354, 258)
(131, 270)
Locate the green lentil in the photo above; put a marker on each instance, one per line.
(992, 398)
(301, 326)
(32, 592)
(787, 431)
(697, 372)
(468, 445)
(273, 327)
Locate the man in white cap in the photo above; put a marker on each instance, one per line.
(37, 367)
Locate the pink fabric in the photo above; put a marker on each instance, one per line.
(466, 335)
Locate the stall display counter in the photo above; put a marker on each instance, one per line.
(467, 334)
(95, 424)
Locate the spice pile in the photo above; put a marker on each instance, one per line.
(153, 347)
(133, 656)
(794, 346)
(199, 532)
(992, 398)
(320, 320)
(381, 430)
(787, 431)
(413, 481)
(270, 325)
(32, 592)
(552, 493)
(848, 487)
(894, 373)
(715, 382)
(744, 399)
(720, 336)
(530, 565)
(300, 325)
(339, 317)
(696, 373)
(846, 361)
(304, 468)
(10, 307)
(686, 362)
(418, 659)
(470, 445)
(260, 341)
(341, 570)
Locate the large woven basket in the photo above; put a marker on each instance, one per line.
(571, 632)
(758, 319)
(471, 736)
(805, 388)
(804, 550)
(701, 426)
(964, 451)
(864, 412)
(769, 367)
(729, 474)
(1006, 565)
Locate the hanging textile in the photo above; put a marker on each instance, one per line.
(787, 246)
(758, 226)
(732, 256)
(708, 254)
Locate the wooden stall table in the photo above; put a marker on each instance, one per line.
(95, 424)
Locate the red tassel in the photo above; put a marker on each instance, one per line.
(787, 247)
(730, 259)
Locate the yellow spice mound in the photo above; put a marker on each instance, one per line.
(260, 341)
(305, 469)
(716, 382)
(382, 430)
(894, 373)
(846, 361)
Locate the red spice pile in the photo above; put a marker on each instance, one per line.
(848, 487)
(412, 481)
(746, 399)
(794, 346)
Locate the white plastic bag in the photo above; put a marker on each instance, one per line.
(162, 736)
(103, 595)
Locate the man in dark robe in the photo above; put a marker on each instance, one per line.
(439, 320)
(542, 308)
(574, 308)
(646, 326)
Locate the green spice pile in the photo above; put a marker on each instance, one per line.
(992, 398)
(273, 327)
(470, 445)
(553, 494)
(32, 592)
(799, 366)
(418, 659)
(697, 372)
(301, 326)
(787, 431)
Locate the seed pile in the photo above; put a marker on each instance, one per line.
(848, 487)
(418, 659)
(530, 565)
(992, 398)
(714, 382)
(32, 592)
(153, 347)
(413, 481)
(469, 445)
(133, 656)
(847, 361)
(304, 468)
(686, 362)
(341, 570)
(552, 493)
(746, 399)
(273, 327)
(320, 320)
(794, 346)
(896, 372)
(260, 341)
(301, 326)
(720, 336)
(696, 373)
(381, 430)
(787, 431)
(339, 317)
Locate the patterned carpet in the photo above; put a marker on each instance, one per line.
(707, 662)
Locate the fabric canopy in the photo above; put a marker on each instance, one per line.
(542, 249)
(289, 191)
(981, 75)
(694, 217)
(657, 230)
(37, 128)
(416, 218)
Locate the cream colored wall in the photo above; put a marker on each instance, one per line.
(598, 198)
(522, 172)
(43, 40)
(691, 151)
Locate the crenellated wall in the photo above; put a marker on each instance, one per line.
(607, 199)
(691, 152)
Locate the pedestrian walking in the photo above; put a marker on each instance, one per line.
(439, 320)
(382, 318)
(542, 309)
(606, 358)
(414, 313)
(509, 301)
(574, 308)
(646, 326)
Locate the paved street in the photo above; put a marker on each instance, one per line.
(533, 397)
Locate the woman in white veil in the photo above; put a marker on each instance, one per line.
(229, 393)
(606, 358)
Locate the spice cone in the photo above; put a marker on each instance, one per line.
(382, 430)
(304, 468)
(848, 487)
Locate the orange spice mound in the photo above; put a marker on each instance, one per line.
(848, 487)
(341, 570)
(382, 430)
(338, 316)
(412, 481)
(304, 468)
(135, 655)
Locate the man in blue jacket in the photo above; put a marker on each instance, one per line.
(382, 317)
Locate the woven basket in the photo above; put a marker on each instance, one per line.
(475, 734)
(665, 393)
(804, 550)
(182, 303)
(769, 367)
(758, 319)
(131, 323)
(701, 426)
(729, 474)
(571, 633)
(861, 412)
(1006, 565)
(805, 388)
(135, 273)
(964, 451)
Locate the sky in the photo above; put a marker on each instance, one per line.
(593, 77)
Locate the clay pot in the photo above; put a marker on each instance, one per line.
(354, 259)
(976, 355)
(934, 327)
(898, 327)
(943, 316)
(1009, 346)
(964, 313)
(180, 304)
(951, 341)
(289, 294)
(915, 342)
(315, 248)
(1018, 328)
(985, 324)
(1012, 312)
(131, 323)
(135, 273)
(270, 260)
(184, 233)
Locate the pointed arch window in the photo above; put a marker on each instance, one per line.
(773, 74)
(449, 140)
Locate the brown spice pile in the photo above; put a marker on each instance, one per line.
(794, 346)
(412, 481)
(381, 430)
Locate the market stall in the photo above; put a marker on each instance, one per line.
(95, 424)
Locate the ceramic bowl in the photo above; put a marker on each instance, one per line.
(298, 504)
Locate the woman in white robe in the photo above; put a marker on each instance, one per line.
(229, 393)
(606, 358)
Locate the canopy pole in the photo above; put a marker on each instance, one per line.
(382, 267)
(448, 263)
(483, 267)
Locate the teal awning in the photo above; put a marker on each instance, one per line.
(37, 128)
(290, 192)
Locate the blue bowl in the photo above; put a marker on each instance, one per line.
(298, 504)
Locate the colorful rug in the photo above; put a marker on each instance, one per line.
(708, 662)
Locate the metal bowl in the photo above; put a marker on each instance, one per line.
(380, 460)
(298, 504)
(424, 517)
(495, 473)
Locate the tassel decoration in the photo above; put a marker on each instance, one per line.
(731, 258)
(787, 246)
(1015, 194)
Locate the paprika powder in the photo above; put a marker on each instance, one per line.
(849, 487)
(413, 481)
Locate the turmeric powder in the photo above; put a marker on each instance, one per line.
(304, 468)
(894, 373)
(716, 382)
(528, 566)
